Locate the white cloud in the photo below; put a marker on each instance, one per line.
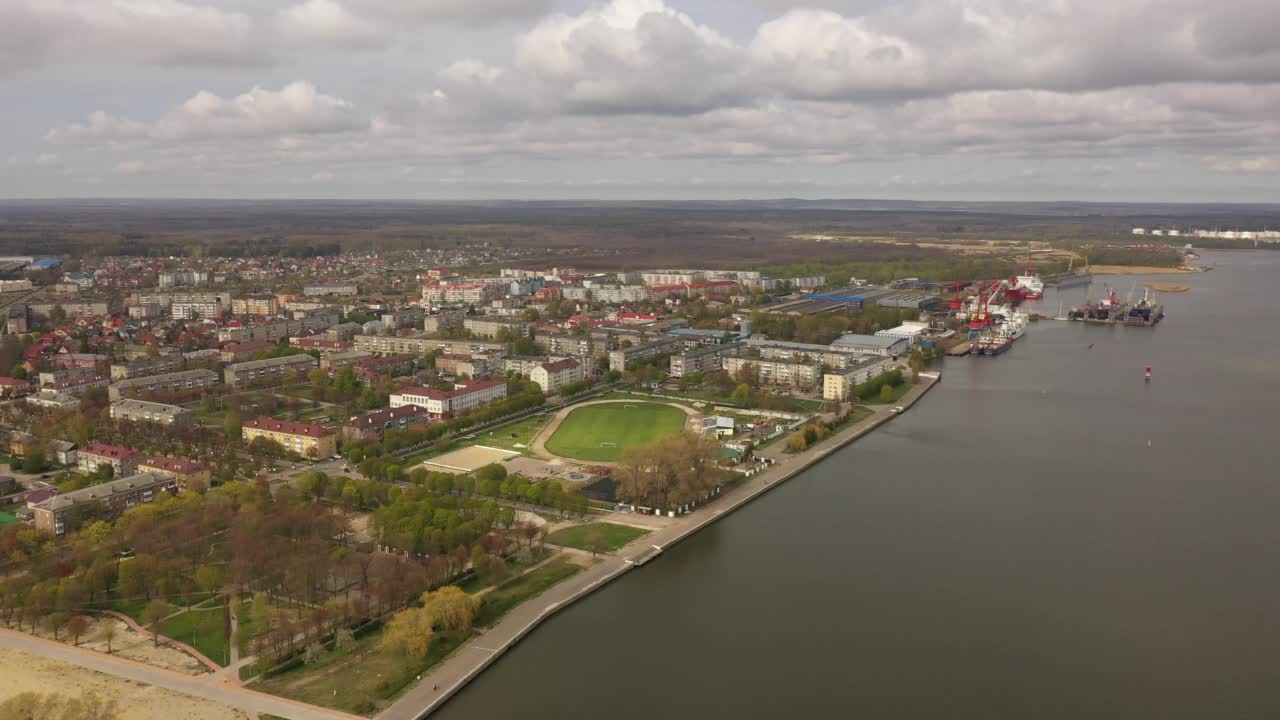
(130, 167)
(162, 32)
(297, 108)
(469, 12)
(1245, 166)
(326, 23)
(637, 56)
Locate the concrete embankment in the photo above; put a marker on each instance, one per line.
(483, 650)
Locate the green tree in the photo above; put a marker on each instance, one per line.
(34, 461)
(155, 611)
(886, 394)
(741, 395)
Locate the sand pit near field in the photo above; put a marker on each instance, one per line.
(134, 701)
(468, 459)
(133, 646)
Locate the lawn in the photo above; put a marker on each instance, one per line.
(498, 602)
(600, 433)
(898, 392)
(205, 630)
(579, 536)
(360, 680)
(8, 518)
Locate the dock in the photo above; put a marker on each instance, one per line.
(961, 349)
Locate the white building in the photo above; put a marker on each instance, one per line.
(552, 376)
(463, 398)
(870, 345)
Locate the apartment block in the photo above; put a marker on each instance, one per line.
(374, 426)
(621, 358)
(182, 471)
(313, 441)
(777, 372)
(491, 328)
(272, 370)
(177, 382)
(552, 376)
(159, 365)
(421, 345)
(259, 305)
(150, 412)
(123, 461)
(115, 497)
(702, 359)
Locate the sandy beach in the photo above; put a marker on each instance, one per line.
(1138, 270)
(135, 701)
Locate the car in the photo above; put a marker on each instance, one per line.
(899, 409)
(336, 457)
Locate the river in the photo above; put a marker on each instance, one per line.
(1010, 548)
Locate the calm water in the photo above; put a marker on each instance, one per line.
(1012, 548)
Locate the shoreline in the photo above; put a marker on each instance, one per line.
(477, 654)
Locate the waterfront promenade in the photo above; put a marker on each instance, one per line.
(482, 650)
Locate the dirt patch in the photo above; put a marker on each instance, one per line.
(1165, 287)
(134, 646)
(134, 701)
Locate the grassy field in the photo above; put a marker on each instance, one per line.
(898, 392)
(7, 518)
(362, 679)
(579, 536)
(507, 437)
(499, 601)
(205, 630)
(621, 425)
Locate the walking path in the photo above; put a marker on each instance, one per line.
(134, 626)
(196, 686)
(482, 650)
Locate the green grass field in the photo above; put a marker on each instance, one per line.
(205, 630)
(500, 600)
(600, 433)
(579, 537)
(8, 518)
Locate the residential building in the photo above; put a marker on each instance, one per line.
(62, 452)
(16, 319)
(313, 441)
(702, 359)
(278, 330)
(272, 370)
(197, 309)
(242, 352)
(871, 345)
(777, 372)
(621, 358)
(178, 382)
(335, 360)
(552, 376)
(54, 400)
(183, 278)
(123, 461)
(375, 425)
(15, 387)
(21, 443)
(458, 365)
(407, 317)
(159, 365)
(8, 286)
(145, 311)
(114, 497)
(801, 352)
(464, 397)
(444, 319)
(331, 289)
(72, 309)
(620, 294)
(491, 328)
(142, 411)
(841, 385)
(259, 305)
(422, 345)
(180, 470)
(473, 293)
(673, 277)
(564, 343)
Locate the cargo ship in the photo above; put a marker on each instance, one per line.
(1028, 286)
(1105, 310)
(1145, 313)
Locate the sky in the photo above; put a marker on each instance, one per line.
(1096, 100)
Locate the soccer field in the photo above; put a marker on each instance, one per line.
(600, 433)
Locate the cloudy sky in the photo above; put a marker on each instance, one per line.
(1161, 100)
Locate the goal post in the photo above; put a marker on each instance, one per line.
(608, 445)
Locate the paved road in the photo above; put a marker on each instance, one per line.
(482, 650)
(201, 686)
